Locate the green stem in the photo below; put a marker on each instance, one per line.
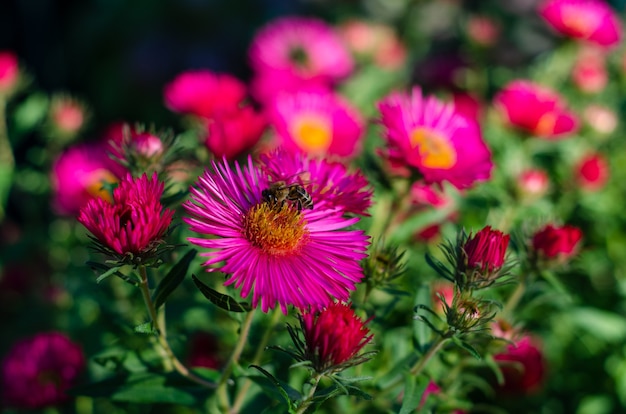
(421, 364)
(243, 391)
(7, 160)
(434, 348)
(514, 299)
(222, 394)
(308, 399)
(154, 319)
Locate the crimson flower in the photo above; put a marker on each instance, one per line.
(134, 224)
(333, 337)
(38, 370)
(556, 243)
(523, 366)
(486, 249)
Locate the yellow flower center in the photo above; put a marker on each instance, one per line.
(435, 150)
(312, 133)
(99, 184)
(546, 124)
(276, 231)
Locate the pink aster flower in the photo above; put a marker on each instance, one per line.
(278, 253)
(375, 42)
(81, 173)
(203, 93)
(333, 337)
(316, 123)
(134, 223)
(329, 184)
(295, 52)
(67, 115)
(232, 134)
(592, 172)
(535, 109)
(433, 138)
(9, 72)
(532, 184)
(590, 20)
(37, 371)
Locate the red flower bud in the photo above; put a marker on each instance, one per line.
(556, 242)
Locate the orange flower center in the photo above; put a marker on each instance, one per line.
(277, 231)
(435, 150)
(546, 124)
(312, 133)
(99, 184)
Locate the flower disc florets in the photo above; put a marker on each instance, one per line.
(269, 247)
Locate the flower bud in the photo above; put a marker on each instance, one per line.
(522, 365)
(557, 244)
(532, 184)
(333, 338)
(592, 172)
(484, 258)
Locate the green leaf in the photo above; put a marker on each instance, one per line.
(495, 368)
(279, 389)
(145, 328)
(607, 326)
(110, 272)
(414, 388)
(173, 278)
(6, 181)
(144, 387)
(421, 333)
(219, 299)
(31, 112)
(465, 345)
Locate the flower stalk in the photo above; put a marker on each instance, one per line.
(161, 338)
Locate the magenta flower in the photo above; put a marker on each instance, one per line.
(37, 371)
(294, 52)
(433, 138)
(67, 115)
(535, 109)
(81, 173)
(280, 254)
(590, 20)
(333, 337)
(330, 184)
(592, 171)
(232, 134)
(203, 93)
(523, 366)
(9, 72)
(135, 222)
(316, 123)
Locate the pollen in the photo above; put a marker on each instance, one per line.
(276, 231)
(435, 149)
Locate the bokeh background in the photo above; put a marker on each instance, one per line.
(117, 56)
